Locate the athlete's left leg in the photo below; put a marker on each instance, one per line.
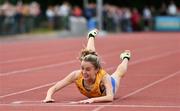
(91, 40)
(121, 69)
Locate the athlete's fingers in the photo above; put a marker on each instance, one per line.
(74, 102)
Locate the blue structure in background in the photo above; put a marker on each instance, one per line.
(167, 23)
(92, 23)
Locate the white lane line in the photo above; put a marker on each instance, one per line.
(45, 66)
(142, 89)
(38, 68)
(37, 102)
(148, 58)
(28, 90)
(35, 57)
(110, 68)
(20, 102)
(51, 65)
(152, 84)
(94, 105)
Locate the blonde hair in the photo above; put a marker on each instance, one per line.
(92, 57)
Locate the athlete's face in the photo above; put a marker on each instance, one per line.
(88, 70)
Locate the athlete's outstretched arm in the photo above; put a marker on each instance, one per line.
(59, 85)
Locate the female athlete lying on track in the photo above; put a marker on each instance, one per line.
(92, 80)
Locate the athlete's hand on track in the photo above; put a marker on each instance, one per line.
(87, 101)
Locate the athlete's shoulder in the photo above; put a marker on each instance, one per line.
(77, 73)
(102, 71)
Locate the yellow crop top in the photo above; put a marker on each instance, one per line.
(95, 91)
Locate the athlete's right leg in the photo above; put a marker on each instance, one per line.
(122, 68)
(91, 40)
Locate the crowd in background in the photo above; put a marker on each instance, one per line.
(19, 18)
(23, 18)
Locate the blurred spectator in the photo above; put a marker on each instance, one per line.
(23, 18)
(34, 11)
(19, 17)
(119, 13)
(2, 17)
(147, 18)
(112, 18)
(78, 23)
(50, 14)
(172, 9)
(9, 21)
(163, 10)
(90, 14)
(105, 17)
(25, 10)
(109, 18)
(90, 11)
(136, 20)
(153, 11)
(126, 20)
(26, 18)
(64, 13)
(77, 11)
(178, 13)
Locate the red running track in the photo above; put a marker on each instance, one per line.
(152, 83)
